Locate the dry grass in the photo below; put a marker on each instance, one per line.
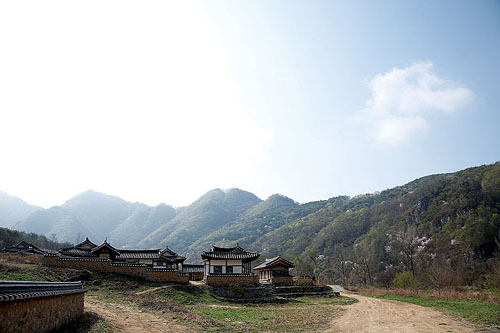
(484, 295)
(306, 315)
(20, 259)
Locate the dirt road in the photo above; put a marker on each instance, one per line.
(377, 315)
(131, 320)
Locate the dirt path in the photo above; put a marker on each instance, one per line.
(131, 320)
(377, 315)
(147, 291)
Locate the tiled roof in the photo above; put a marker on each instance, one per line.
(139, 254)
(71, 251)
(86, 242)
(187, 268)
(167, 252)
(24, 247)
(175, 258)
(272, 261)
(236, 252)
(105, 244)
(11, 291)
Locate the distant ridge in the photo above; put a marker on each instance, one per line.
(455, 208)
(13, 209)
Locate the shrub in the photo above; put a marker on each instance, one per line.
(304, 282)
(404, 280)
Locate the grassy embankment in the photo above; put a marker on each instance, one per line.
(190, 305)
(476, 311)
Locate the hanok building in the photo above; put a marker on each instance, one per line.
(24, 248)
(195, 271)
(156, 258)
(83, 249)
(153, 258)
(275, 270)
(220, 261)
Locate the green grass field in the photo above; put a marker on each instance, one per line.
(301, 314)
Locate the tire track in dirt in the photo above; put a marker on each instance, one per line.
(377, 315)
(132, 320)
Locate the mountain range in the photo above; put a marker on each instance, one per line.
(457, 207)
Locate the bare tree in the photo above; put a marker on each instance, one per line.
(341, 262)
(408, 247)
(441, 275)
(363, 263)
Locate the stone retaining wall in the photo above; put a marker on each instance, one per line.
(283, 281)
(31, 308)
(226, 280)
(107, 266)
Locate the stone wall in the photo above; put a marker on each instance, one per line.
(107, 266)
(283, 281)
(226, 280)
(40, 315)
(39, 306)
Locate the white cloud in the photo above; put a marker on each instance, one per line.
(403, 99)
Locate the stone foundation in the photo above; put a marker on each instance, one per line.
(107, 266)
(300, 291)
(235, 279)
(283, 281)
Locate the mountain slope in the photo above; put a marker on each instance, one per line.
(449, 217)
(89, 214)
(58, 222)
(140, 223)
(13, 209)
(101, 212)
(212, 211)
(439, 219)
(264, 217)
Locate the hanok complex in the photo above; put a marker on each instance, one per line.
(24, 248)
(152, 258)
(152, 265)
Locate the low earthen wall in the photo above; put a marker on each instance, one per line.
(40, 315)
(226, 280)
(27, 307)
(107, 266)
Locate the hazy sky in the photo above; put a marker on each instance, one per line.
(162, 101)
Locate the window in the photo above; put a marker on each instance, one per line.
(229, 269)
(218, 269)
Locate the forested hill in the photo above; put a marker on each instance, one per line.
(449, 220)
(440, 218)
(11, 237)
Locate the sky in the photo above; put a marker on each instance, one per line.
(163, 101)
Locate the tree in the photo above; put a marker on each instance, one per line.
(441, 275)
(409, 248)
(341, 261)
(363, 263)
(302, 268)
(53, 237)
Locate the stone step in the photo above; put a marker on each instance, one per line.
(314, 294)
(263, 300)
